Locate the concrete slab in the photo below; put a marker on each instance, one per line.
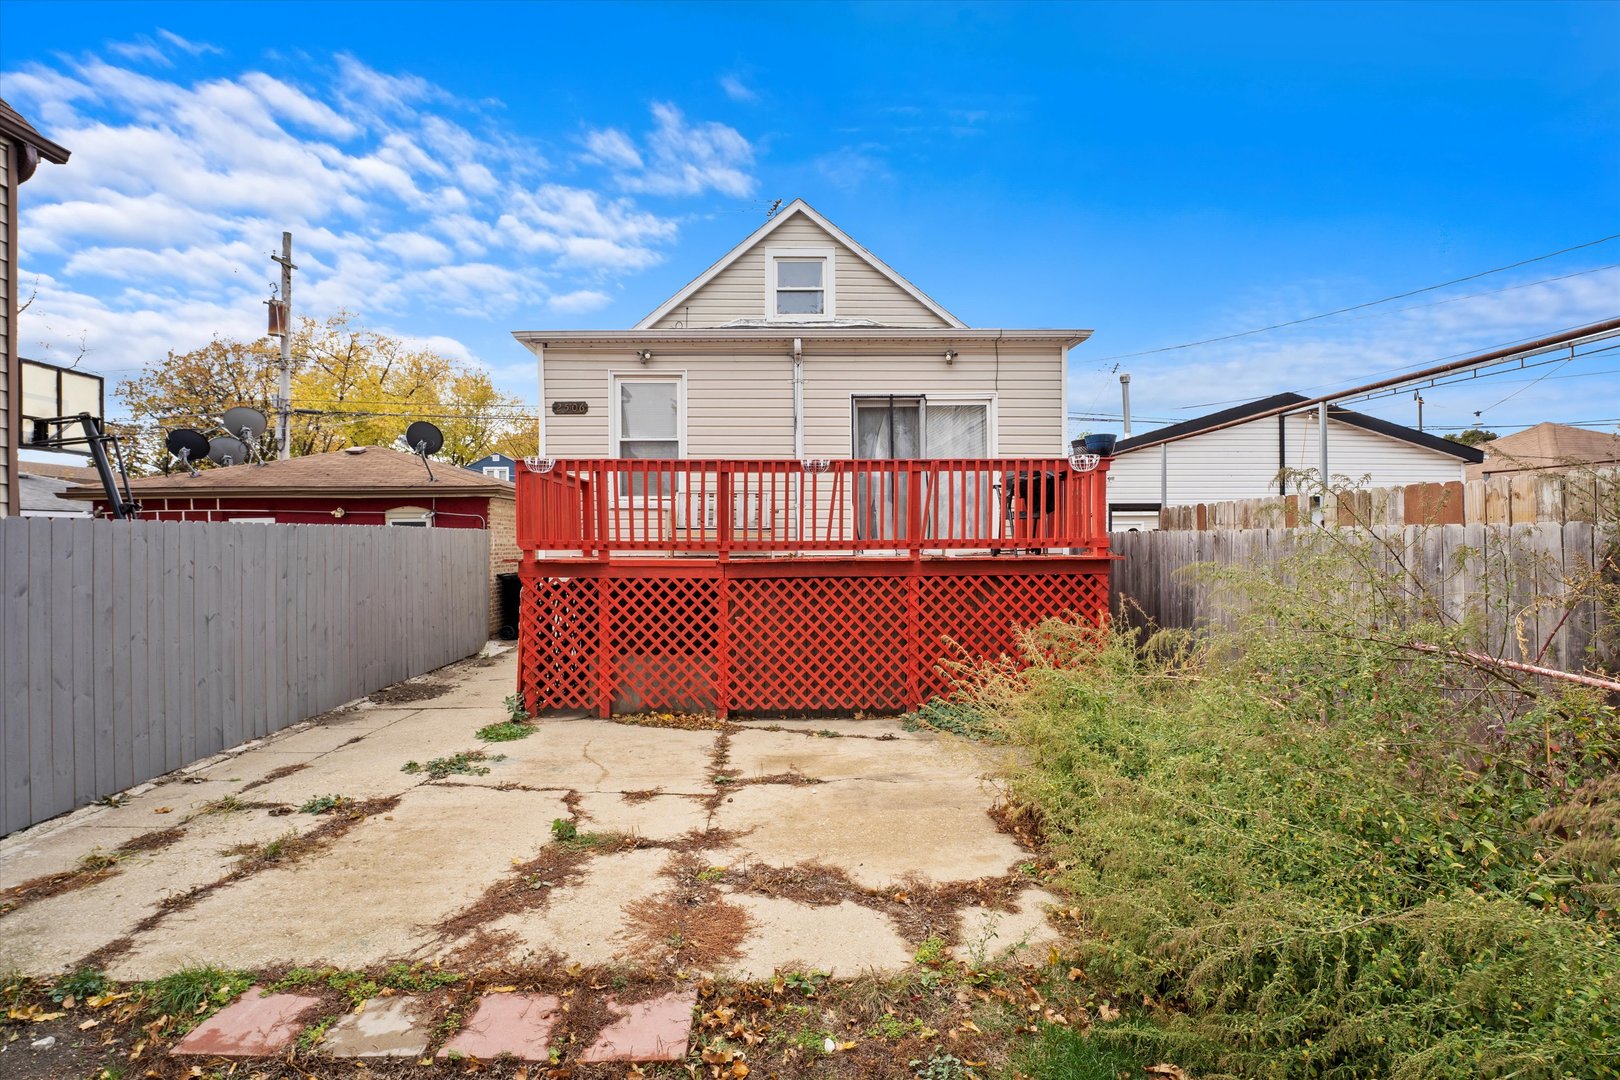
(515, 1024)
(586, 922)
(369, 898)
(386, 1027)
(252, 1026)
(371, 768)
(996, 935)
(313, 740)
(50, 936)
(662, 817)
(599, 755)
(766, 753)
(655, 1030)
(843, 940)
(878, 832)
(165, 804)
(253, 765)
(37, 852)
(876, 728)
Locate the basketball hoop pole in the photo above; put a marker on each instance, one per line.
(122, 504)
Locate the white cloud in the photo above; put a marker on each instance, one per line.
(194, 48)
(408, 206)
(737, 90)
(679, 159)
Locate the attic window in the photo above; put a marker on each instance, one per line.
(799, 284)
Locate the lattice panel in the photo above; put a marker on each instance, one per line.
(975, 617)
(557, 646)
(815, 643)
(663, 643)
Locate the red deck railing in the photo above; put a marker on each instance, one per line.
(599, 507)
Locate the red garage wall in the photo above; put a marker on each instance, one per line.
(449, 513)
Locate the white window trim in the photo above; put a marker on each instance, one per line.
(989, 400)
(498, 472)
(829, 281)
(411, 514)
(614, 379)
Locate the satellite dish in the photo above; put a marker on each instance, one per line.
(186, 444)
(245, 423)
(226, 451)
(424, 438)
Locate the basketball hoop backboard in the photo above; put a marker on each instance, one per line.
(49, 393)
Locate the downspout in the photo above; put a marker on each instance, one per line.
(540, 413)
(798, 398)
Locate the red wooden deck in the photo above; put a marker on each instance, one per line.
(790, 587)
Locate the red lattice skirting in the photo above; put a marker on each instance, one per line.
(810, 635)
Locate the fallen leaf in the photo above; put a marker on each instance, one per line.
(500, 990)
(88, 1024)
(1106, 1012)
(1174, 1072)
(164, 810)
(42, 1017)
(1075, 974)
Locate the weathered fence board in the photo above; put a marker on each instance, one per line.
(132, 648)
(1520, 572)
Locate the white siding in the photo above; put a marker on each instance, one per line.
(741, 404)
(1241, 462)
(738, 292)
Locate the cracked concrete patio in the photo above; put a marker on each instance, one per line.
(835, 845)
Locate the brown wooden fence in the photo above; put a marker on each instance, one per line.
(1509, 576)
(1509, 499)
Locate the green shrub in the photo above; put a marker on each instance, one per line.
(1323, 850)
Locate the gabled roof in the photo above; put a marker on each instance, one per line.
(357, 472)
(798, 207)
(1277, 401)
(1549, 445)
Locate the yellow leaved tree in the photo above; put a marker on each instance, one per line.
(350, 387)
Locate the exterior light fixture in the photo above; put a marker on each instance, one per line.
(645, 355)
(950, 357)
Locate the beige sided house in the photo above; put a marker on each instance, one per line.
(799, 343)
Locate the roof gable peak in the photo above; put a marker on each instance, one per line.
(796, 208)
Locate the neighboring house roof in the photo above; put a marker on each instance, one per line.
(1265, 405)
(17, 129)
(356, 472)
(1547, 445)
(78, 474)
(38, 494)
(798, 207)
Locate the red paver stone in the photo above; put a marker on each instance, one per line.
(654, 1030)
(516, 1024)
(252, 1027)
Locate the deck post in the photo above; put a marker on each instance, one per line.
(604, 648)
(914, 634)
(723, 511)
(722, 644)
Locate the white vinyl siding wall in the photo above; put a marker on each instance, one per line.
(1241, 462)
(741, 404)
(738, 292)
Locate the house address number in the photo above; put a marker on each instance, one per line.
(570, 408)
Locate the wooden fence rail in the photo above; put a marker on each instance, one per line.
(1522, 498)
(1496, 572)
(129, 649)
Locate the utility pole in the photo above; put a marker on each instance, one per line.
(1419, 398)
(1125, 402)
(284, 397)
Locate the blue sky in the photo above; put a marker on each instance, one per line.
(1160, 173)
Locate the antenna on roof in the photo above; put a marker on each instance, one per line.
(775, 206)
(424, 438)
(188, 446)
(249, 426)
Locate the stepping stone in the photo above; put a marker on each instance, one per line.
(387, 1027)
(253, 1026)
(653, 1030)
(516, 1024)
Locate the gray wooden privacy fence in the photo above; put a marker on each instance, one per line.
(1512, 579)
(129, 649)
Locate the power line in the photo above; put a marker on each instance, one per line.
(1367, 304)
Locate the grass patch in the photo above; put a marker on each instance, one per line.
(358, 986)
(466, 763)
(1065, 1053)
(325, 804)
(506, 731)
(186, 998)
(961, 718)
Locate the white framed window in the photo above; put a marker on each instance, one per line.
(413, 517)
(922, 426)
(800, 284)
(648, 421)
(499, 472)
